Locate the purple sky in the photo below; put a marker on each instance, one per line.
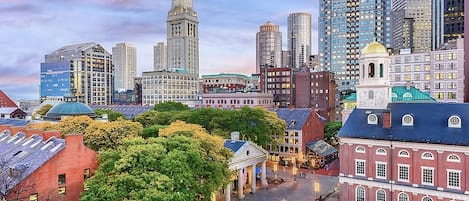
(29, 29)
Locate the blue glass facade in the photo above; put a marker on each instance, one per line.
(345, 27)
(55, 79)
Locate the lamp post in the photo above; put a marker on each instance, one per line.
(275, 160)
(294, 169)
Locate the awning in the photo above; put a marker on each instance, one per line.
(321, 147)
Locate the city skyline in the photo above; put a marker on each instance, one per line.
(35, 28)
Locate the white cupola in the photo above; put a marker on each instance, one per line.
(374, 88)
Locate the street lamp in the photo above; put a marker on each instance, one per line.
(294, 169)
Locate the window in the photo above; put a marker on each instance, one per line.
(62, 191)
(404, 153)
(427, 156)
(360, 194)
(427, 176)
(453, 158)
(62, 179)
(407, 120)
(381, 170)
(86, 174)
(360, 149)
(454, 122)
(426, 198)
(371, 94)
(33, 197)
(439, 76)
(403, 197)
(451, 95)
(381, 70)
(359, 167)
(403, 173)
(439, 95)
(371, 70)
(452, 75)
(380, 195)
(454, 180)
(380, 151)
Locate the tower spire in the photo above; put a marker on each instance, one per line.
(182, 3)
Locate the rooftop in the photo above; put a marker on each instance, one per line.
(295, 118)
(401, 94)
(69, 109)
(374, 48)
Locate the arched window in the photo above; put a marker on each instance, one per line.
(427, 156)
(407, 120)
(360, 194)
(381, 69)
(380, 151)
(380, 195)
(453, 158)
(360, 149)
(403, 197)
(426, 198)
(403, 153)
(371, 70)
(371, 94)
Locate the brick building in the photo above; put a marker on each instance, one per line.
(278, 81)
(323, 92)
(237, 100)
(37, 165)
(5, 101)
(304, 125)
(401, 151)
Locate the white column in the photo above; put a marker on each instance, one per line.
(240, 184)
(228, 192)
(263, 175)
(253, 180)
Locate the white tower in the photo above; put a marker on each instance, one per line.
(124, 58)
(374, 88)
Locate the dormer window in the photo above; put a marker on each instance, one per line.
(372, 119)
(407, 120)
(454, 122)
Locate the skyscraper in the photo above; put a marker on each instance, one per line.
(268, 46)
(412, 25)
(299, 39)
(160, 56)
(466, 55)
(345, 26)
(454, 19)
(438, 23)
(124, 58)
(183, 37)
(84, 71)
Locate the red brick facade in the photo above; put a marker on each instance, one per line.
(5, 101)
(73, 161)
(394, 155)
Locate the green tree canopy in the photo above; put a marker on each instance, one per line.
(152, 131)
(43, 110)
(112, 115)
(175, 167)
(170, 106)
(332, 129)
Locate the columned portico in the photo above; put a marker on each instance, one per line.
(246, 157)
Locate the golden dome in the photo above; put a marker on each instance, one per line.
(374, 48)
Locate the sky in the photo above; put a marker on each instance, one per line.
(30, 29)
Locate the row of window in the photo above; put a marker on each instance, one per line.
(427, 174)
(405, 154)
(454, 121)
(381, 195)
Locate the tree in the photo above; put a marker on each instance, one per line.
(170, 106)
(109, 135)
(174, 167)
(331, 130)
(112, 115)
(43, 110)
(152, 131)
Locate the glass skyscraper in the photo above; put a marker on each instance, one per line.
(347, 26)
(268, 47)
(299, 39)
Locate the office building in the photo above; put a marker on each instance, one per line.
(412, 25)
(279, 82)
(160, 57)
(466, 55)
(454, 19)
(438, 23)
(323, 92)
(229, 82)
(183, 37)
(163, 86)
(299, 39)
(233, 100)
(346, 26)
(124, 58)
(286, 59)
(84, 71)
(268, 46)
(414, 69)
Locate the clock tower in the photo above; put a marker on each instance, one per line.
(374, 88)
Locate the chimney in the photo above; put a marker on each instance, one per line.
(234, 137)
(387, 119)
